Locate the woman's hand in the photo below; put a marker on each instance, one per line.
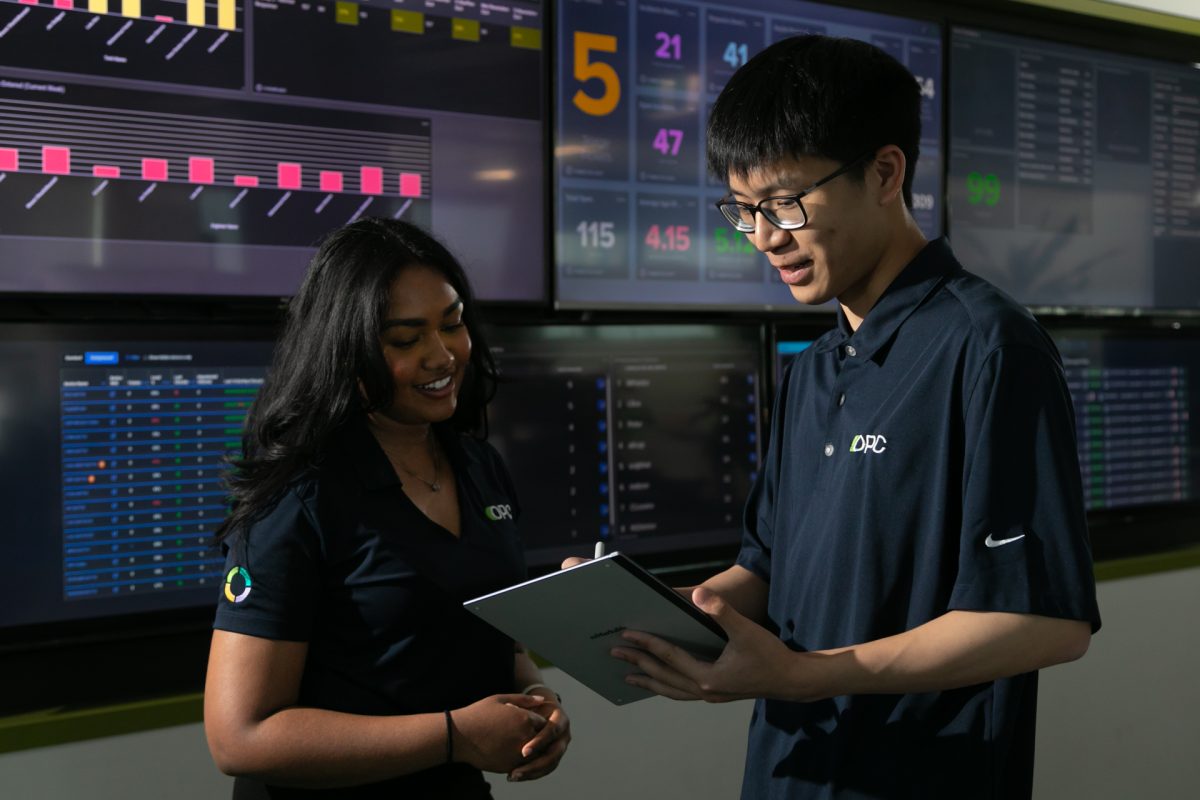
(491, 733)
(545, 750)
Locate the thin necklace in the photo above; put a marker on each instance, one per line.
(434, 485)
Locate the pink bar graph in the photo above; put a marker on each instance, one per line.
(154, 169)
(248, 181)
(9, 159)
(56, 160)
(200, 170)
(67, 4)
(288, 175)
(102, 171)
(157, 17)
(410, 184)
(28, 2)
(371, 180)
(331, 181)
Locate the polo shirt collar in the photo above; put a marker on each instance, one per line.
(923, 275)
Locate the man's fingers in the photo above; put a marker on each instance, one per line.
(662, 674)
(658, 687)
(676, 658)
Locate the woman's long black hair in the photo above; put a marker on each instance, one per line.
(328, 367)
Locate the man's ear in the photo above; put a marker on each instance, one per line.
(886, 174)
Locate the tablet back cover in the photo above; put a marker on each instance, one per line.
(575, 617)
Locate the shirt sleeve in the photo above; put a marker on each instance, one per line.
(272, 575)
(1024, 544)
(758, 537)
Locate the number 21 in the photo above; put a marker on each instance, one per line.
(669, 47)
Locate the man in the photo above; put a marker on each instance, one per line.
(915, 548)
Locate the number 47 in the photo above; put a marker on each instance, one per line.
(668, 140)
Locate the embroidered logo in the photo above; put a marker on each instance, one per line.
(990, 541)
(497, 513)
(868, 443)
(231, 578)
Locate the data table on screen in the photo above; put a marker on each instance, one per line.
(645, 437)
(1072, 180)
(143, 455)
(386, 53)
(1133, 400)
(123, 436)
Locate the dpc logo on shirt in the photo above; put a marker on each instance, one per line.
(868, 443)
(497, 513)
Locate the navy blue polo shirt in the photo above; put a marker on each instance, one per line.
(347, 563)
(921, 464)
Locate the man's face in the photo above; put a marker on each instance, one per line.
(834, 254)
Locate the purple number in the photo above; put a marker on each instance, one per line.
(670, 46)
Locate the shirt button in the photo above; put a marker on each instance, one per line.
(828, 449)
(850, 351)
(841, 399)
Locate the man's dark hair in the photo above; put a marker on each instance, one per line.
(329, 369)
(815, 96)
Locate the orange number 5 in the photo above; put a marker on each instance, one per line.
(586, 69)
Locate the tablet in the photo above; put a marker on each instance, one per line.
(575, 617)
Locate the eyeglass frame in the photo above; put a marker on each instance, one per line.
(757, 208)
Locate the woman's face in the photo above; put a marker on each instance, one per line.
(426, 346)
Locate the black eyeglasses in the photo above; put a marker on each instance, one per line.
(784, 211)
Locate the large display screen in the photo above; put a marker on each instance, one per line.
(644, 437)
(190, 147)
(114, 441)
(1134, 397)
(634, 203)
(1074, 173)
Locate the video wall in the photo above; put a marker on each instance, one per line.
(156, 151)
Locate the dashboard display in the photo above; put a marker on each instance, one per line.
(636, 224)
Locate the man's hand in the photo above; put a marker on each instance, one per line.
(754, 663)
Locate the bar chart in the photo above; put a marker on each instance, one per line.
(125, 165)
(193, 42)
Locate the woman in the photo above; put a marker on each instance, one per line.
(363, 515)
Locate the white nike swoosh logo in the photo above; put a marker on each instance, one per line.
(990, 542)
